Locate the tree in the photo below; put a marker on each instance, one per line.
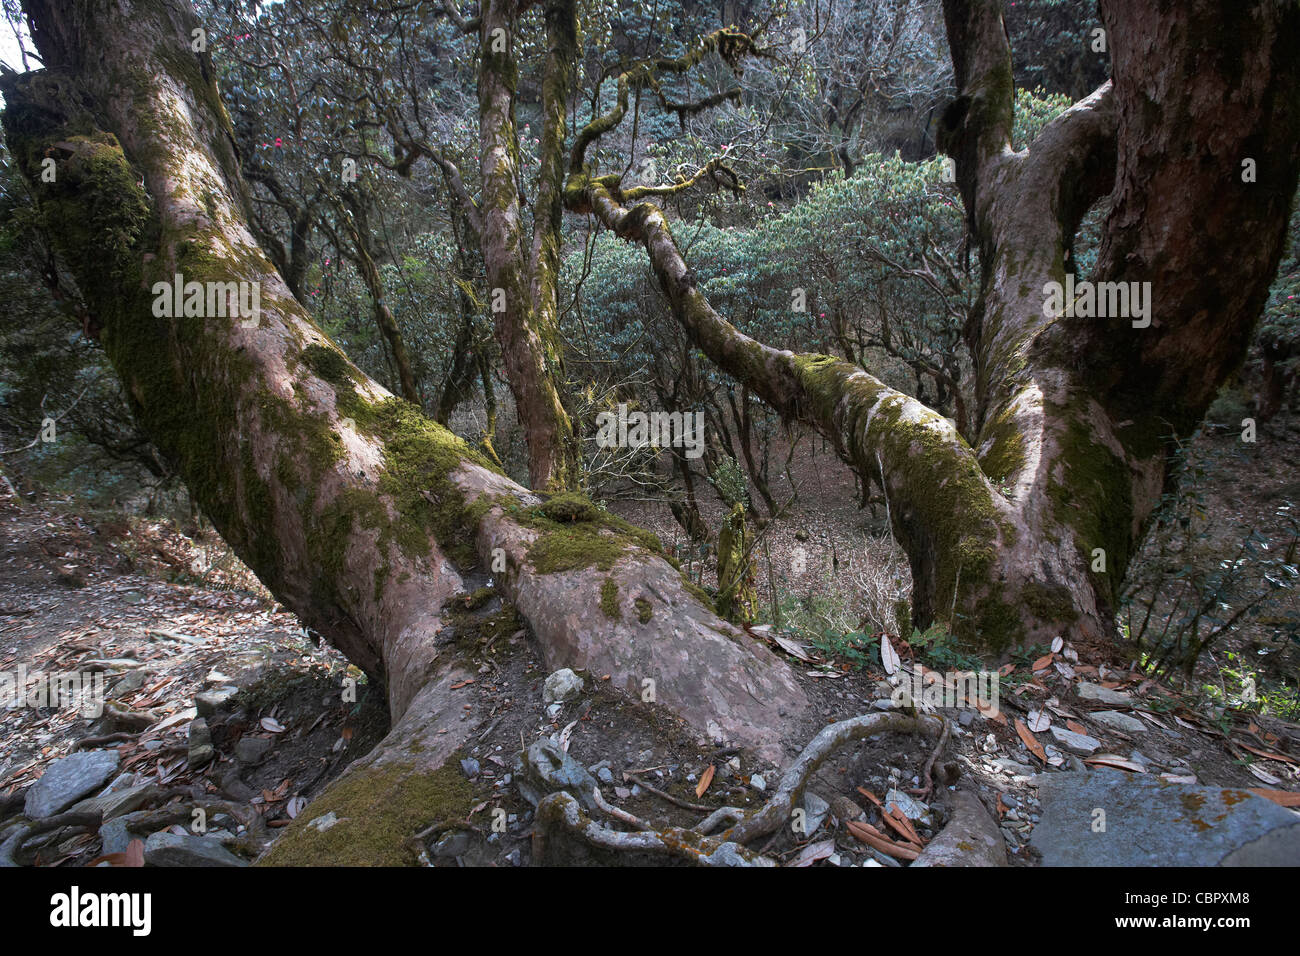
(364, 517)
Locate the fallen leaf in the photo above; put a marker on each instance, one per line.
(1039, 721)
(1284, 798)
(871, 796)
(1006, 669)
(1270, 754)
(1077, 727)
(1113, 760)
(1042, 663)
(1057, 644)
(272, 725)
(1263, 774)
(1030, 741)
(888, 656)
(706, 778)
(813, 852)
(295, 806)
(874, 838)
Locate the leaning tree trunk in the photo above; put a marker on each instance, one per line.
(1026, 533)
(358, 513)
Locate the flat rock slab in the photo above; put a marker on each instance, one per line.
(1104, 695)
(68, 779)
(1151, 822)
(971, 838)
(174, 849)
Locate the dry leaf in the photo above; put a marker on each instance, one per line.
(1042, 662)
(1284, 798)
(1114, 760)
(272, 725)
(1263, 774)
(1270, 754)
(874, 838)
(1057, 644)
(813, 852)
(1030, 741)
(1077, 727)
(706, 778)
(1039, 721)
(888, 656)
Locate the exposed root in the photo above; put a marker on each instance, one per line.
(927, 778)
(560, 815)
(777, 810)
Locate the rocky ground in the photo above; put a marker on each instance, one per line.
(223, 719)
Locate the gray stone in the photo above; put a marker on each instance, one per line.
(971, 837)
(455, 843)
(1078, 743)
(252, 749)
(175, 849)
(210, 702)
(1124, 723)
(544, 768)
(321, 824)
(201, 750)
(118, 802)
(1151, 822)
(1103, 695)
(470, 767)
(1013, 767)
(815, 810)
(117, 834)
(910, 807)
(562, 686)
(604, 775)
(758, 783)
(68, 779)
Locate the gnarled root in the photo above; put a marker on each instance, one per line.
(560, 814)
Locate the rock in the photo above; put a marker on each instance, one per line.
(470, 768)
(452, 844)
(1124, 723)
(67, 780)
(544, 768)
(562, 686)
(605, 776)
(118, 802)
(911, 808)
(815, 810)
(1150, 822)
(513, 858)
(966, 718)
(1103, 695)
(208, 703)
(323, 823)
(845, 809)
(758, 783)
(1075, 742)
(201, 750)
(971, 837)
(1013, 767)
(252, 749)
(174, 849)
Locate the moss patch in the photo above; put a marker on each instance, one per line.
(609, 599)
(379, 809)
(644, 612)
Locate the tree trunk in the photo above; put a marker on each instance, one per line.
(358, 513)
(1026, 532)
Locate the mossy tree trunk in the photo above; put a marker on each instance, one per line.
(1025, 532)
(360, 514)
(522, 287)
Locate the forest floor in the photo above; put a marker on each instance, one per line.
(165, 616)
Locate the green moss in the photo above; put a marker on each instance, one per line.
(609, 599)
(644, 612)
(584, 536)
(379, 810)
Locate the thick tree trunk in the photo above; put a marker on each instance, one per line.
(357, 512)
(1026, 532)
(522, 293)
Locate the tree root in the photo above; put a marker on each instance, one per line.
(559, 814)
(927, 778)
(777, 810)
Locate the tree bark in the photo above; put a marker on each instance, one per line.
(358, 513)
